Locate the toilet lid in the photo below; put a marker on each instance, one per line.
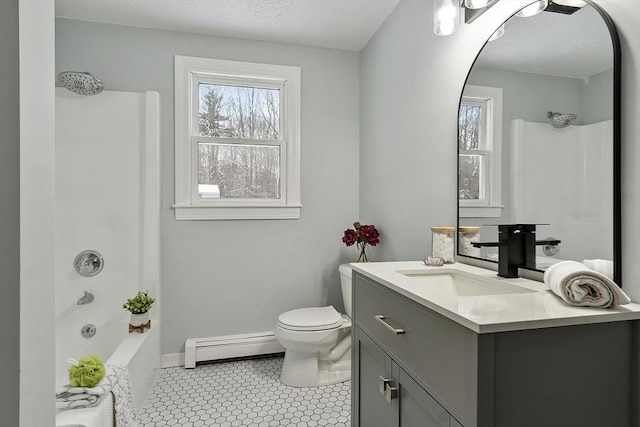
(311, 319)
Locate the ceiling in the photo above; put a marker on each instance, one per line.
(336, 24)
(548, 43)
(577, 45)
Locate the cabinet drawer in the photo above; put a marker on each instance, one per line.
(435, 351)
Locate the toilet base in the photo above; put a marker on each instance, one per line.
(306, 370)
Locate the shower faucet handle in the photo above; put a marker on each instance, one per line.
(88, 263)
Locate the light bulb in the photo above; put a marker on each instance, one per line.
(497, 34)
(445, 28)
(447, 11)
(446, 16)
(571, 3)
(533, 9)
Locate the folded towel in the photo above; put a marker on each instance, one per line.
(68, 397)
(578, 285)
(603, 266)
(115, 381)
(99, 416)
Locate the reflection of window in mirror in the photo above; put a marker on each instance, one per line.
(479, 152)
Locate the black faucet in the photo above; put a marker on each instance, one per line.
(516, 247)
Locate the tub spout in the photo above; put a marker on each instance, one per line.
(86, 298)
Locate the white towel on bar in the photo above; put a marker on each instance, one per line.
(604, 266)
(578, 285)
(124, 407)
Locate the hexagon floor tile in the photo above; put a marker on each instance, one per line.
(242, 393)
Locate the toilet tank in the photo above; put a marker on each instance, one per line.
(345, 283)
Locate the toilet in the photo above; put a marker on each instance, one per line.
(317, 341)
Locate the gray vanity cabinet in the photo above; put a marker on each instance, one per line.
(389, 396)
(376, 365)
(444, 374)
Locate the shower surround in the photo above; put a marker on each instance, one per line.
(107, 200)
(564, 178)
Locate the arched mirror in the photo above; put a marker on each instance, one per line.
(539, 139)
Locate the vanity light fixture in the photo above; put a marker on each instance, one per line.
(570, 3)
(478, 4)
(566, 7)
(446, 16)
(533, 9)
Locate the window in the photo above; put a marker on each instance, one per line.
(479, 152)
(237, 143)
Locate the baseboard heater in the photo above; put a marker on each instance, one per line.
(229, 346)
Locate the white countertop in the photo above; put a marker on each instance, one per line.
(539, 308)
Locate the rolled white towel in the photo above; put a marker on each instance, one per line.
(603, 266)
(578, 285)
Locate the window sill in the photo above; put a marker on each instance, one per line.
(492, 211)
(203, 213)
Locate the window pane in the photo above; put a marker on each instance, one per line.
(234, 171)
(238, 112)
(469, 117)
(470, 177)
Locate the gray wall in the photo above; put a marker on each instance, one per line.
(231, 277)
(411, 82)
(597, 95)
(407, 138)
(9, 212)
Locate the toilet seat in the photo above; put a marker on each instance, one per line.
(311, 319)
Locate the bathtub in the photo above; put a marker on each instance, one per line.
(140, 353)
(108, 201)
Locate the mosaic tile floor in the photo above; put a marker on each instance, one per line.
(242, 393)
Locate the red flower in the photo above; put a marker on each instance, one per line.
(349, 237)
(361, 235)
(369, 235)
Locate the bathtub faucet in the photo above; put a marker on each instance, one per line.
(86, 298)
(516, 247)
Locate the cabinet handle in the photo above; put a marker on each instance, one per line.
(391, 393)
(380, 318)
(386, 390)
(384, 383)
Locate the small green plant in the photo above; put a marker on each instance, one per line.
(140, 303)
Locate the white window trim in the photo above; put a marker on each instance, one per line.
(188, 208)
(492, 206)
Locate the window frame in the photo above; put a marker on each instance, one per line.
(490, 147)
(189, 73)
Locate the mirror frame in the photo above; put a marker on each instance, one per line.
(617, 162)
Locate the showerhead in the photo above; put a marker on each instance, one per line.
(82, 83)
(561, 120)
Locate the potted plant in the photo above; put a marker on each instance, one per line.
(139, 306)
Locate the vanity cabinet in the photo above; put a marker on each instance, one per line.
(415, 367)
(390, 396)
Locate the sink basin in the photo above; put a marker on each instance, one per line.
(465, 284)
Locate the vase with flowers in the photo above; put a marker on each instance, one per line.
(361, 235)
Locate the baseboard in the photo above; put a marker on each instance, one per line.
(226, 347)
(172, 360)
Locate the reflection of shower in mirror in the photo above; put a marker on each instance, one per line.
(561, 120)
